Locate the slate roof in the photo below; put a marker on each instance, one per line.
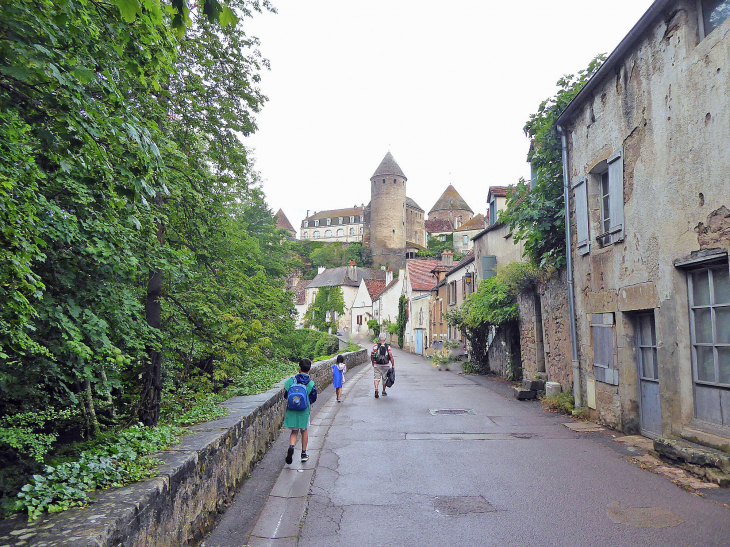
(332, 277)
(420, 274)
(375, 287)
(438, 225)
(476, 223)
(413, 204)
(389, 167)
(450, 200)
(300, 296)
(334, 213)
(283, 223)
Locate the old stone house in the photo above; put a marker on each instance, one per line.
(464, 235)
(343, 225)
(647, 162)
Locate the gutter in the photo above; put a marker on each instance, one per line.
(569, 267)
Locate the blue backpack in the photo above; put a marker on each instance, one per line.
(297, 397)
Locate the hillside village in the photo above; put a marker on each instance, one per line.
(634, 325)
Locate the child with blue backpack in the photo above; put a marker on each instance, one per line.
(300, 394)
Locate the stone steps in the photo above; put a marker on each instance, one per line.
(709, 463)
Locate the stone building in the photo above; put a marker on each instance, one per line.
(451, 206)
(646, 141)
(344, 225)
(464, 236)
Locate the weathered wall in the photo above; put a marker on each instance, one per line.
(199, 476)
(415, 226)
(667, 106)
(504, 352)
(498, 242)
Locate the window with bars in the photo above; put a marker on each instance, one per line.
(709, 301)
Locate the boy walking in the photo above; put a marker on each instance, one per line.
(297, 410)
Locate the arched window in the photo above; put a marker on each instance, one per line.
(315, 235)
(306, 235)
(352, 231)
(340, 232)
(328, 233)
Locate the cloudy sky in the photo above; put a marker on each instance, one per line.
(445, 86)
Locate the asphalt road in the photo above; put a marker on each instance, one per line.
(446, 459)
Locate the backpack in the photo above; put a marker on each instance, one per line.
(297, 397)
(382, 357)
(390, 378)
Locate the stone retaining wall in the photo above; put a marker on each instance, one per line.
(200, 475)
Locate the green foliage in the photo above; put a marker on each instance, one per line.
(374, 326)
(562, 403)
(259, 379)
(327, 305)
(537, 216)
(335, 255)
(24, 432)
(118, 463)
(402, 320)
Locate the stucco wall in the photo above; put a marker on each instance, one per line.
(199, 476)
(498, 242)
(667, 106)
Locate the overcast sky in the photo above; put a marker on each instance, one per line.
(445, 86)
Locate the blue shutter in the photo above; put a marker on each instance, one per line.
(581, 217)
(616, 195)
(489, 266)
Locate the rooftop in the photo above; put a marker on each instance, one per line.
(333, 277)
(283, 223)
(389, 167)
(476, 223)
(413, 204)
(419, 272)
(450, 200)
(438, 225)
(334, 213)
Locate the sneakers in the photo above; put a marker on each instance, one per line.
(305, 456)
(384, 394)
(339, 400)
(290, 454)
(377, 394)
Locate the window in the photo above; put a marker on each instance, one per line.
(395, 181)
(340, 232)
(452, 292)
(492, 211)
(316, 222)
(713, 14)
(329, 221)
(315, 235)
(306, 235)
(352, 231)
(443, 238)
(646, 347)
(466, 240)
(306, 224)
(611, 195)
(359, 319)
(383, 181)
(339, 220)
(360, 230)
(582, 243)
(604, 353)
(709, 301)
(328, 233)
(352, 219)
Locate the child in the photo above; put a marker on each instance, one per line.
(338, 376)
(298, 420)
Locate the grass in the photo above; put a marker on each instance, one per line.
(562, 403)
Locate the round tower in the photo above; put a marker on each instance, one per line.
(388, 214)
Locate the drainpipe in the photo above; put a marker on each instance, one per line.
(569, 267)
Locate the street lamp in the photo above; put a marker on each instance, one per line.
(467, 278)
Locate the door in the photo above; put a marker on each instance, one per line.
(419, 341)
(650, 413)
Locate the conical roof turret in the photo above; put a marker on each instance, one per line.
(283, 223)
(450, 200)
(389, 167)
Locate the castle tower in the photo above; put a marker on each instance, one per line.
(387, 212)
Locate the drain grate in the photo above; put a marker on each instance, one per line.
(451, 411)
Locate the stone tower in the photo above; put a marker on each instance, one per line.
(387, 214)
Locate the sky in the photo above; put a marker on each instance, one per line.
(445, 86)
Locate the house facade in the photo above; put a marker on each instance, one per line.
(463, 237)
(418, 280)
(344, 225)
(647, 162)
(460, 283)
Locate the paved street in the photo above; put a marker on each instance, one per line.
(395, 471)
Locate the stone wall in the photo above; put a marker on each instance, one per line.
(199, 476)
(504, 351)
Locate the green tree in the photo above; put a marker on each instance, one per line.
(402, 319)
(327, 306)
(537, 216)
(374, 326)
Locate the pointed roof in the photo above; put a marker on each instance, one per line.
(389, 167)
(283, 223)
(412, 204)
(476, 223)
(450, 200)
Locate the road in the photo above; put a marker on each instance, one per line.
(447, 459)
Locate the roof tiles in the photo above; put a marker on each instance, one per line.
(419, 272)
(450, 200)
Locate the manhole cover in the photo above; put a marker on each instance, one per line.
(451, 411)
(462, 505)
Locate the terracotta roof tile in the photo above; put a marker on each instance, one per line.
(438, 225)
(375, 287)
(497, 192)
(450, 200)
(419, 272)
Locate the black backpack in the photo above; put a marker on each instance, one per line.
(382, 357)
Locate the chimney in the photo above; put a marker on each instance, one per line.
(352, 270)
(447, 258)
(388, 277)
(320, 269)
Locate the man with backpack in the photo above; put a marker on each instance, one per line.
(382, 359)
(300, 394)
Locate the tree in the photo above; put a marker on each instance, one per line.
(374, 326)
(537, 216)
(402, 319)
(322, 313)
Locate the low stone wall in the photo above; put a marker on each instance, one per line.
(199, 476)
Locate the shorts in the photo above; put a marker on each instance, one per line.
(380, 372)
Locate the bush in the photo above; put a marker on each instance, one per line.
(561, 403)
(307, 343)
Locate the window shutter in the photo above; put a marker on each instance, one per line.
(616, 194)
(583, 243)
(489, 266)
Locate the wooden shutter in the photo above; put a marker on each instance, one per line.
(489, 266)
(604, 353)
(616, 195)
(583, 243)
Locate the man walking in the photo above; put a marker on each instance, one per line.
(382, 360)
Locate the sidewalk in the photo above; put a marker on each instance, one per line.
(445, 461)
